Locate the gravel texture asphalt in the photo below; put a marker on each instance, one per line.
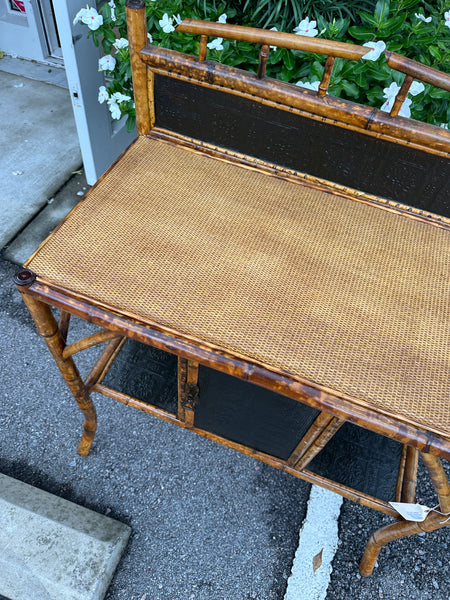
(207, 523)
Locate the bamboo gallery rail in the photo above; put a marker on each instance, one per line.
(288, 279)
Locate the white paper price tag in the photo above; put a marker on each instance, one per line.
(411, 512)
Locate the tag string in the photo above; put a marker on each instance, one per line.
(441, 513)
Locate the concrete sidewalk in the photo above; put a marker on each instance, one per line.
(41, 149)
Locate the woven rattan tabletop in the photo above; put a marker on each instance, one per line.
(343, 294)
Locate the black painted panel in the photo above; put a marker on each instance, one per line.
(250, 415)
(347, 157)
(145, 373)
(362, 460)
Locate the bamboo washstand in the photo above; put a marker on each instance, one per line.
(291, 249)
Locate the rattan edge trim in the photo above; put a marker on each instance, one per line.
(293, 176)
(45, 290)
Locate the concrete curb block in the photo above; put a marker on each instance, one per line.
(53, 549)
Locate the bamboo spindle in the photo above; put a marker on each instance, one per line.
(323, 86)
(410, 475)
(191, 393)
(88, 342)
(203, 47)
(401, 96)
(263, 56)
(319, 443)
(321, 422)
(181, 381)
(64, 324)
(137, 38)
(104, 361)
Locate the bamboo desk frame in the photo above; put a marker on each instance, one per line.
(41, 290)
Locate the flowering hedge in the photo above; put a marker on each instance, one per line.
(414, 28)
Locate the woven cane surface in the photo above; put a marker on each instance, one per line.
(346, 295)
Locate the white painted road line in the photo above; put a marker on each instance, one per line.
(318, 538)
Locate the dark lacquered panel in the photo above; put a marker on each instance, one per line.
(362, 460)
(250, 415)
(350, 158)
(145, 373)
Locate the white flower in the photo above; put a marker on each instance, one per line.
(106, 63)
(177, 19)
(376, 48)
(90, 17)
(222, 18)
(120, 43)
(404, 111)
(386, 107)
(112, 6)
(216, 44)
(447, 18)
(307, 27)
(417, 87)
(119, 97)
(150, 39)
(115, 110)
(103, 95)
(422, 18)
(444, 125)
(166, 23)
(391, 92)
(273, 29)
(314, 85)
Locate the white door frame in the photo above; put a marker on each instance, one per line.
(101, 139)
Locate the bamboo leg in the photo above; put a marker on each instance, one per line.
(394, 531)
(48, 328)
(403, 528)
(439, 479)
(410, 475)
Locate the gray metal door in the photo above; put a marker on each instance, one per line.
(21, 29)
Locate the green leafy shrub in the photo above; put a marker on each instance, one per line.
(415, 28)
(266, 13)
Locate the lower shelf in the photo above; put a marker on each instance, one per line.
(260, 419)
